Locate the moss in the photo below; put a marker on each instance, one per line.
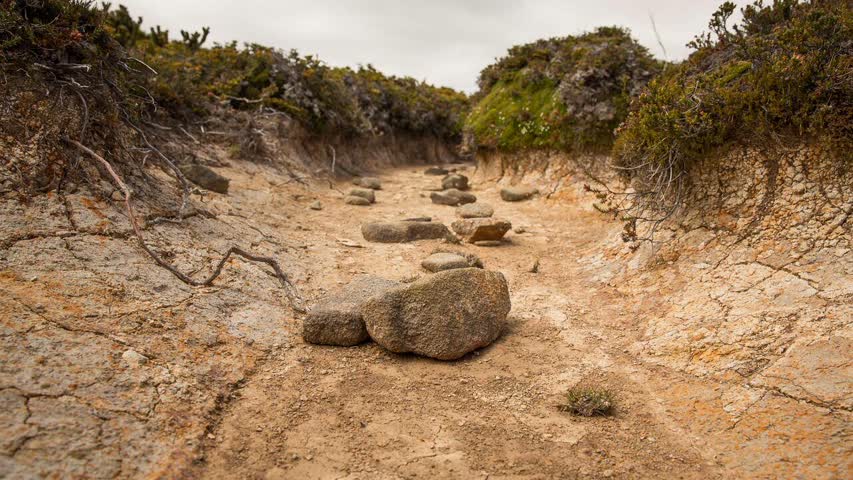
(783, 74)
(517, 114)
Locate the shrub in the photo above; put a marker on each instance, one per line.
(589, 401)
(567, 93)
(785, 72)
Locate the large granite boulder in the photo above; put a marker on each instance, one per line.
(442, 316)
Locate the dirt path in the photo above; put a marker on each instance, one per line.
(323, 412)
(112, 368)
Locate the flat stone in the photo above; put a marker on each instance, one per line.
(436, 171)
(337, 319)
(452, 197)
(364, 193)
(518, 193)
(206, 178)
(447, 260)
(475, 210)
(418, 219)
(401, 232)
(455, 180)
(474, 230)
(353, 200)
(372, 183)
(316, 205)
(442, 316)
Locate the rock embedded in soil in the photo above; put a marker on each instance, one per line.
(401, 232)
(353, 200)
(475, 210)
(337, 319)
(447, 260)
(455, 180)
(436, 171)
(518, 193)
(364, 193)
(442, 316)
(372, 183)
(474, 230)
(418, 219)
(134, 358)
(206, 178)
(452, 197)
(316, 205)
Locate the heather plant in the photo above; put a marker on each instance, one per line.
(566, 93)
(783, 75)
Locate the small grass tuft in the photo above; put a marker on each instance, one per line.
(587, 401)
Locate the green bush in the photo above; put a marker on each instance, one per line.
(785, 72)
(565, 93)
(67, 41)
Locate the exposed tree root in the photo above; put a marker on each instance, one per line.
(290, 290)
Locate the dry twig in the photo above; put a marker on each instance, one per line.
(290, 290)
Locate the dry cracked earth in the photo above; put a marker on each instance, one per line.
(110, 367)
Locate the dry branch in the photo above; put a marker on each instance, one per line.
(290, 290)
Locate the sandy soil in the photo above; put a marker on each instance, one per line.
(230, 390)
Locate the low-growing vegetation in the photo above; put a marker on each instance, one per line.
(565, 93)
(589, 401)
(783, 74)
(151, 73)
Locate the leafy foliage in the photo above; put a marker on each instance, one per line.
(324, 98)
(568, 93)
(784, 72)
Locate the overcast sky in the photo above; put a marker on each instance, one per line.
(446, 42)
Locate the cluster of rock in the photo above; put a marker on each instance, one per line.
(364, 194)
(442, 316)
(452, 192)
(459, 308)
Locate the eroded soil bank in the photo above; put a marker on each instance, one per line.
(724, 367)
